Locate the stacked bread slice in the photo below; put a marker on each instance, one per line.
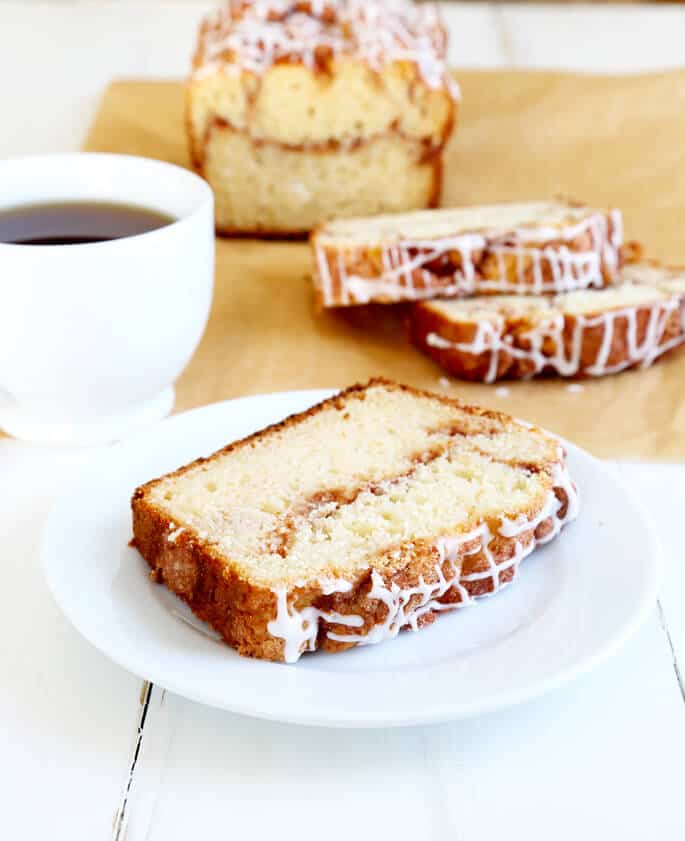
(575, 334)
(512, 290)
(527, 248)
(376, 510)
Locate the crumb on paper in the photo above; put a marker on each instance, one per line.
(575, 388)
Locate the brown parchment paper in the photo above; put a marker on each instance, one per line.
(522, 135)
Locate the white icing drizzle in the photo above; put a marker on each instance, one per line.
(334, 585)
(565, 358)
(324, 274)
(174, 533)
(299, 628)
(255, 34)
(405, 261)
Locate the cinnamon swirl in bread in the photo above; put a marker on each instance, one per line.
(302, 110)
(376, 510)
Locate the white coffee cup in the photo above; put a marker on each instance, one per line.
(93, 336)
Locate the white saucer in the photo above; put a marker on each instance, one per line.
(25, 425)
(574, 603)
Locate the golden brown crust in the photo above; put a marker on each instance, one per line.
(189, 567)
(489, 270)
(424, 321)
(241, 610)
(598, 345)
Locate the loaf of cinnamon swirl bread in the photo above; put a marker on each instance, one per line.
(302, 110)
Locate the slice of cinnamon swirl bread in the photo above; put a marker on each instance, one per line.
(376, 510)
(533, 247)
(580, 334)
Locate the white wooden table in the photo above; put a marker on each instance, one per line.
(603, 758)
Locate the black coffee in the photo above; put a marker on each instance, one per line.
(71, 223)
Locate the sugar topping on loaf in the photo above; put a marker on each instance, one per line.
(253, 35)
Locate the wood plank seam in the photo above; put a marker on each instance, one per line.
(121, 816)
(674, 656)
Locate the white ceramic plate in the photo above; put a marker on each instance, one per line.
(574, 603)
